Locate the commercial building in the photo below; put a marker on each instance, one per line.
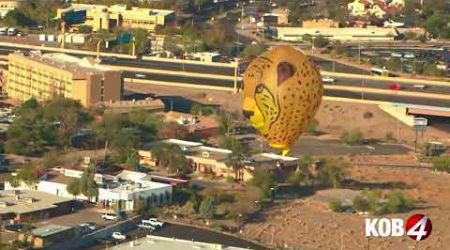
(202, 126)
(117, 192)
(48, 235)
(279, 16)
(102, 17)
(295, 34)
(213, 161)
(151, 242)
(320, 23)
(8, 5)
(48, 75)
(22, 205)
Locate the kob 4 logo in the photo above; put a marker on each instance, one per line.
(418, 227)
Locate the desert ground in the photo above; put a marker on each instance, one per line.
(307, 224)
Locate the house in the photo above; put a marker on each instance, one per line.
(202, 126)
(120, 191)
(358, 7)
(23, 205)
(378, 8)
(48, 235)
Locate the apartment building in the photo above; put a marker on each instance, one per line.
(48, 75)
(102, 17)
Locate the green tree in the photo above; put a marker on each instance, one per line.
(321, 42)
(336, 206)
(170, 157)
(208, 207)
(264, 181)
(27, 174)
(331, 172)
(133, 161)
(398, 202)
(88, 186)
(393, 63)
(74, 188)
(254, 50)
(123, 144)
(85, 29)
(17, 18)
(14, 182)
(441, 164)
(173, 130)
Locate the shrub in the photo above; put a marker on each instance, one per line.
(230, 179)
(361, 204)
(441, 164)
(354, 137)
(336, 206)
(398, 202)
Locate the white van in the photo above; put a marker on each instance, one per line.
(3, 31)
(12, 31)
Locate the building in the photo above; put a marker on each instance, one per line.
(8, 5)
(377, 8)
(151, 242)
(206, 56)
(23, 205)
(295, 34)
(279, 16)
(320, 23)
(102, 17)
(48, 75)
(202, 126)
(48, 235)
(117, 192)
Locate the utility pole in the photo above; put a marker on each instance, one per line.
(133, 49)
(359, 51)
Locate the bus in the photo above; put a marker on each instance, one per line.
(380, 72)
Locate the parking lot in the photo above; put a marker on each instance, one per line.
(78, 217)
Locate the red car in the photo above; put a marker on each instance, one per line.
(395, 86)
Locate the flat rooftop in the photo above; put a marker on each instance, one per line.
(79, 67)
(28, 201)
(157, 243)
(49, 230)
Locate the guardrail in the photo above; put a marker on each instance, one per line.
(388, 79)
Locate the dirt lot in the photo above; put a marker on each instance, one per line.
(334, 117)
(300, 223)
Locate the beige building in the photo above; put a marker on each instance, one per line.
(295, 34)
(320, 23)
(104, 17)
(8, 5)
(44, 76)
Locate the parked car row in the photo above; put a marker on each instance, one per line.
(150, 224)
(4, 31)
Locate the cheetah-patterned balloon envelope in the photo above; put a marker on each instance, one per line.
(282, 92)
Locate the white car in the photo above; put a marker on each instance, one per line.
(410, 56)
(153, 222)
(146, 225)
(109, 216)
(118, 236)
(328, 79)
(140, 75)
(92, 226)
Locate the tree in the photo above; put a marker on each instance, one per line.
(331, 172)
(85, 29)
(141, 40)
(320, 42)
(173, 130)
(336, 206)
(14, 182)
(133, 162)
(16, 18)
(398, 202)
(170, 157)
(74, 188)
(30, 132)
(394, 64)
(254, 50)
(27, 174)
(124, 144)
(264, 181)
(208, 207)
(68, 114)
(88, 186)
(437, 25)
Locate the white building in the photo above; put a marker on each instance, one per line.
(120, 192)
(295, 34)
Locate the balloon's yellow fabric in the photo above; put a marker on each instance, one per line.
(282, 92)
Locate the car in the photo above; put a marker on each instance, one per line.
(140, 75)
(153, 222)
(109, 216)
(396, 54)
(395, 86)
(410, 56)
(91, 225)
(146, 225)
(420, 86)
(328, 79)
(118, 236)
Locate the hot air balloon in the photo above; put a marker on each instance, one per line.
(281, 94)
